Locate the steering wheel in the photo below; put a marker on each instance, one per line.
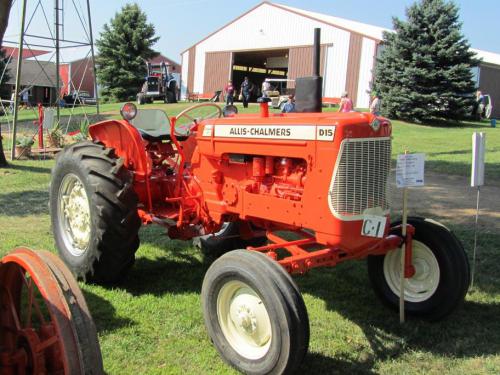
(184, 129)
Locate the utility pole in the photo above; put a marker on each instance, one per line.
(96, 94)
(58, 89)
(18, 80)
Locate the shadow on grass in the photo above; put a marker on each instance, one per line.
(104, 314)
(23, 203)
(468, 124)
(471, 331)
(161, 276)
(29, 168)
(316, 363)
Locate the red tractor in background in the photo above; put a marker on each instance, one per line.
(270, 195)
(159, 84)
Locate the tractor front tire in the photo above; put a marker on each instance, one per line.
(226, 239)
(255, 314)
(94, 212)
(442, 273)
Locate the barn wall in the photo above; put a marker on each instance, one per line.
(353, 64)
(191, 87)
(300, 62)
(82, 76)
(489, 83)
(365, 72)
(217, 71)
(184, 73)
(268, 27)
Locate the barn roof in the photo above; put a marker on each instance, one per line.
(32, 73)
(371, 31)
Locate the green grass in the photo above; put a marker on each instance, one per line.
(448, 149)
(152, 323)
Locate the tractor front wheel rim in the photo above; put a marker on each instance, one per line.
(424, 283)
(74, 214)
(244, 320)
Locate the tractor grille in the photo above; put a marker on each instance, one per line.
(360, 178)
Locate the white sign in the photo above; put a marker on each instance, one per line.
(373, 226)
(207, 130)
(478, 151)
(410, 170)
(286, 132)
(325, 133)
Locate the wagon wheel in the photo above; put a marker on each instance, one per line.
(42, 319)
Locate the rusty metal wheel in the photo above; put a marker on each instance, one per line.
(43, 317)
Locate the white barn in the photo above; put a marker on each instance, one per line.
(275, 41)
(272, 38)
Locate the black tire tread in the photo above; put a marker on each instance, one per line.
(114, 203)
(452, 253)
(289, 297)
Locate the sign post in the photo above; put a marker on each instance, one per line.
(409, 172)
(477, 180)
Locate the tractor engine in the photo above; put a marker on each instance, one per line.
(281, 177)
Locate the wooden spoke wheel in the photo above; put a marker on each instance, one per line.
(45, 326)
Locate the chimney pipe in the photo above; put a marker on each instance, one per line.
(316, 52)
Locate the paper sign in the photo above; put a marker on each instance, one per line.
(410, 170)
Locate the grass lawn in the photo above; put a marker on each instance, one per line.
(152, 323)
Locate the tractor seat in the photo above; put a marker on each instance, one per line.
(154, 125)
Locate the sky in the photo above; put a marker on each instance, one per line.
(182, 23)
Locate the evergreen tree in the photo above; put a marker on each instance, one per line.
(123, 46)
(424, 72)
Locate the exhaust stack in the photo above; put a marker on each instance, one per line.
(308, 90)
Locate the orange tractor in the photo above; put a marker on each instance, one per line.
(294, 191)
(45, 325)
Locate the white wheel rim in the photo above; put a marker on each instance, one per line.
(244, 320)
(74, 214)
(424, 282)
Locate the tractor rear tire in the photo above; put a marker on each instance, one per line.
(170, 97)
(228, 238)
(442, 275)
(254, 314)
(140, 99)
(94, 212)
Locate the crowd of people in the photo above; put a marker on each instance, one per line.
(248, 89)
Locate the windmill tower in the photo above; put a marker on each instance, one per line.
(53, 38)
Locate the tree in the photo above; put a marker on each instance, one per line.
(123, 46)
(424, 72)
(5, 6)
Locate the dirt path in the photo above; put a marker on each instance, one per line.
(452, 198)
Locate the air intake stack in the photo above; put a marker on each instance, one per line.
(308, 90)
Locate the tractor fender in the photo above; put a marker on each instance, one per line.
(127, 142)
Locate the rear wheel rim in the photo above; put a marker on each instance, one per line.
(244, 320)
(74, 215)
(424, 283)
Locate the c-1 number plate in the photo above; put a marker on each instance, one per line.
(373, 226)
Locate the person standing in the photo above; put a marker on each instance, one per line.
(375, 104)
(289, 105)
(246, 90)
(266, 86)
(229, 93)
(345, 103)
